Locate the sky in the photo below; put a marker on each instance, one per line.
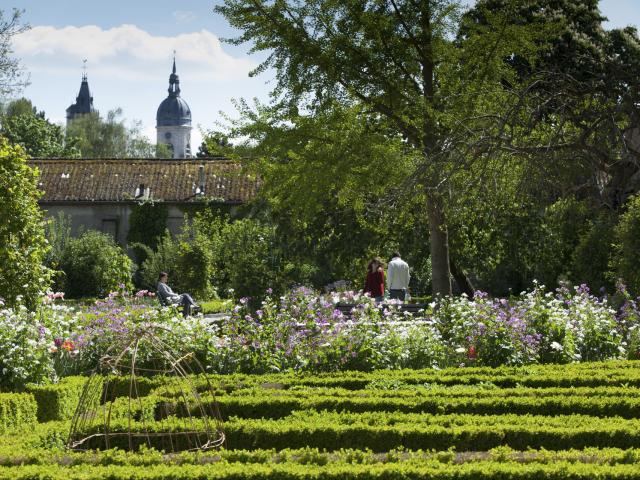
(129, 44)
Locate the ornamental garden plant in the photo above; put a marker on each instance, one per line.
(303, 331)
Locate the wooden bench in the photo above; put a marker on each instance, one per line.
(412, 308)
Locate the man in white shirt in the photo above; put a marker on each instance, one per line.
(398, 277)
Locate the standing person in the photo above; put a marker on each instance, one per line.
(169, 297)
(374, 283)
(398, 277)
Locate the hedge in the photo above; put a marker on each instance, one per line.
(382, 431)
(386, 471)
(57, 401)
(17, 410)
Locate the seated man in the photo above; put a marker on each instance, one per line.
(168, 297)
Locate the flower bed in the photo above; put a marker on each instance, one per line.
(303, 331)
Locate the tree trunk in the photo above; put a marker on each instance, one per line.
(440, 271)
(461, 279)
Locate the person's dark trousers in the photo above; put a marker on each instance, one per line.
(186, 302)
(399, 294)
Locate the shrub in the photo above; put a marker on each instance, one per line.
(188, 260)
(58, 232)
(31, 345)
(94, 266)
(17, 410)
(626, 258)
(57, 401)
(249, 258)
(147, 224)
(590, 259)
(23, 275)
(162, 259)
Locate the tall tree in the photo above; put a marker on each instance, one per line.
(23, 276)
(111, 138)
(398, 59)
(23, 125)
(11, 74)
(590, 87)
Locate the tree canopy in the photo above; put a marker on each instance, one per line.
(110, 137)
(23, 276)
(11, 74)
(23, 125)
(449, 101)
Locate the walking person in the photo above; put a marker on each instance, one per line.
(398, 278)
(169, 297)
(374, 283)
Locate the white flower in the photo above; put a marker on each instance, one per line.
(461, 350)
(556, 346)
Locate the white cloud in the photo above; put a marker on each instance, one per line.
(128, 51)
(184, 16)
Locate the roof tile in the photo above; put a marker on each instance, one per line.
(116, 180)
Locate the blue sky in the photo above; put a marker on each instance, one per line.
(128, 46)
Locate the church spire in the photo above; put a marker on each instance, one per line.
(174, 81)
(84, 100)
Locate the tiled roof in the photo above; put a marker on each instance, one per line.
(116, 180)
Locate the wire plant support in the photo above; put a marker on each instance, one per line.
(143, 394)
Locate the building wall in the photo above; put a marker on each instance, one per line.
(111, 218)
(179, 137)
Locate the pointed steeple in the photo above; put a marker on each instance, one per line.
(174, 81)
(84, 100)
(173, 119)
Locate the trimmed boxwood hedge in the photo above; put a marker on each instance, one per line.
(17, 410)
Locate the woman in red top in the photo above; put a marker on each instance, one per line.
(374, 284)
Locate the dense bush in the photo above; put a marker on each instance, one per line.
(17, 410)
(590, 258)
(162, 259)
(57, 401)
(188, 259)
(147, 224)
(94, 265)
(249, 257)
(626, 258)
(23, 275)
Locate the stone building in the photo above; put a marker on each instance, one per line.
(84, 101)
(99, 194)
(173, 120)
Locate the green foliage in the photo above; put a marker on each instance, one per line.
(17, 411)
(216, 306)
(626, 257)
(111, 138)
(23, 276)
(194, 263)
(57, 401)
(11, 73)
(163, 259)
(443, 109)
(94, 265)
(147, 224)
(58, 233)
(591, 257)
(188, 259)
(38, 136)
(248, 253)
(563, 224)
